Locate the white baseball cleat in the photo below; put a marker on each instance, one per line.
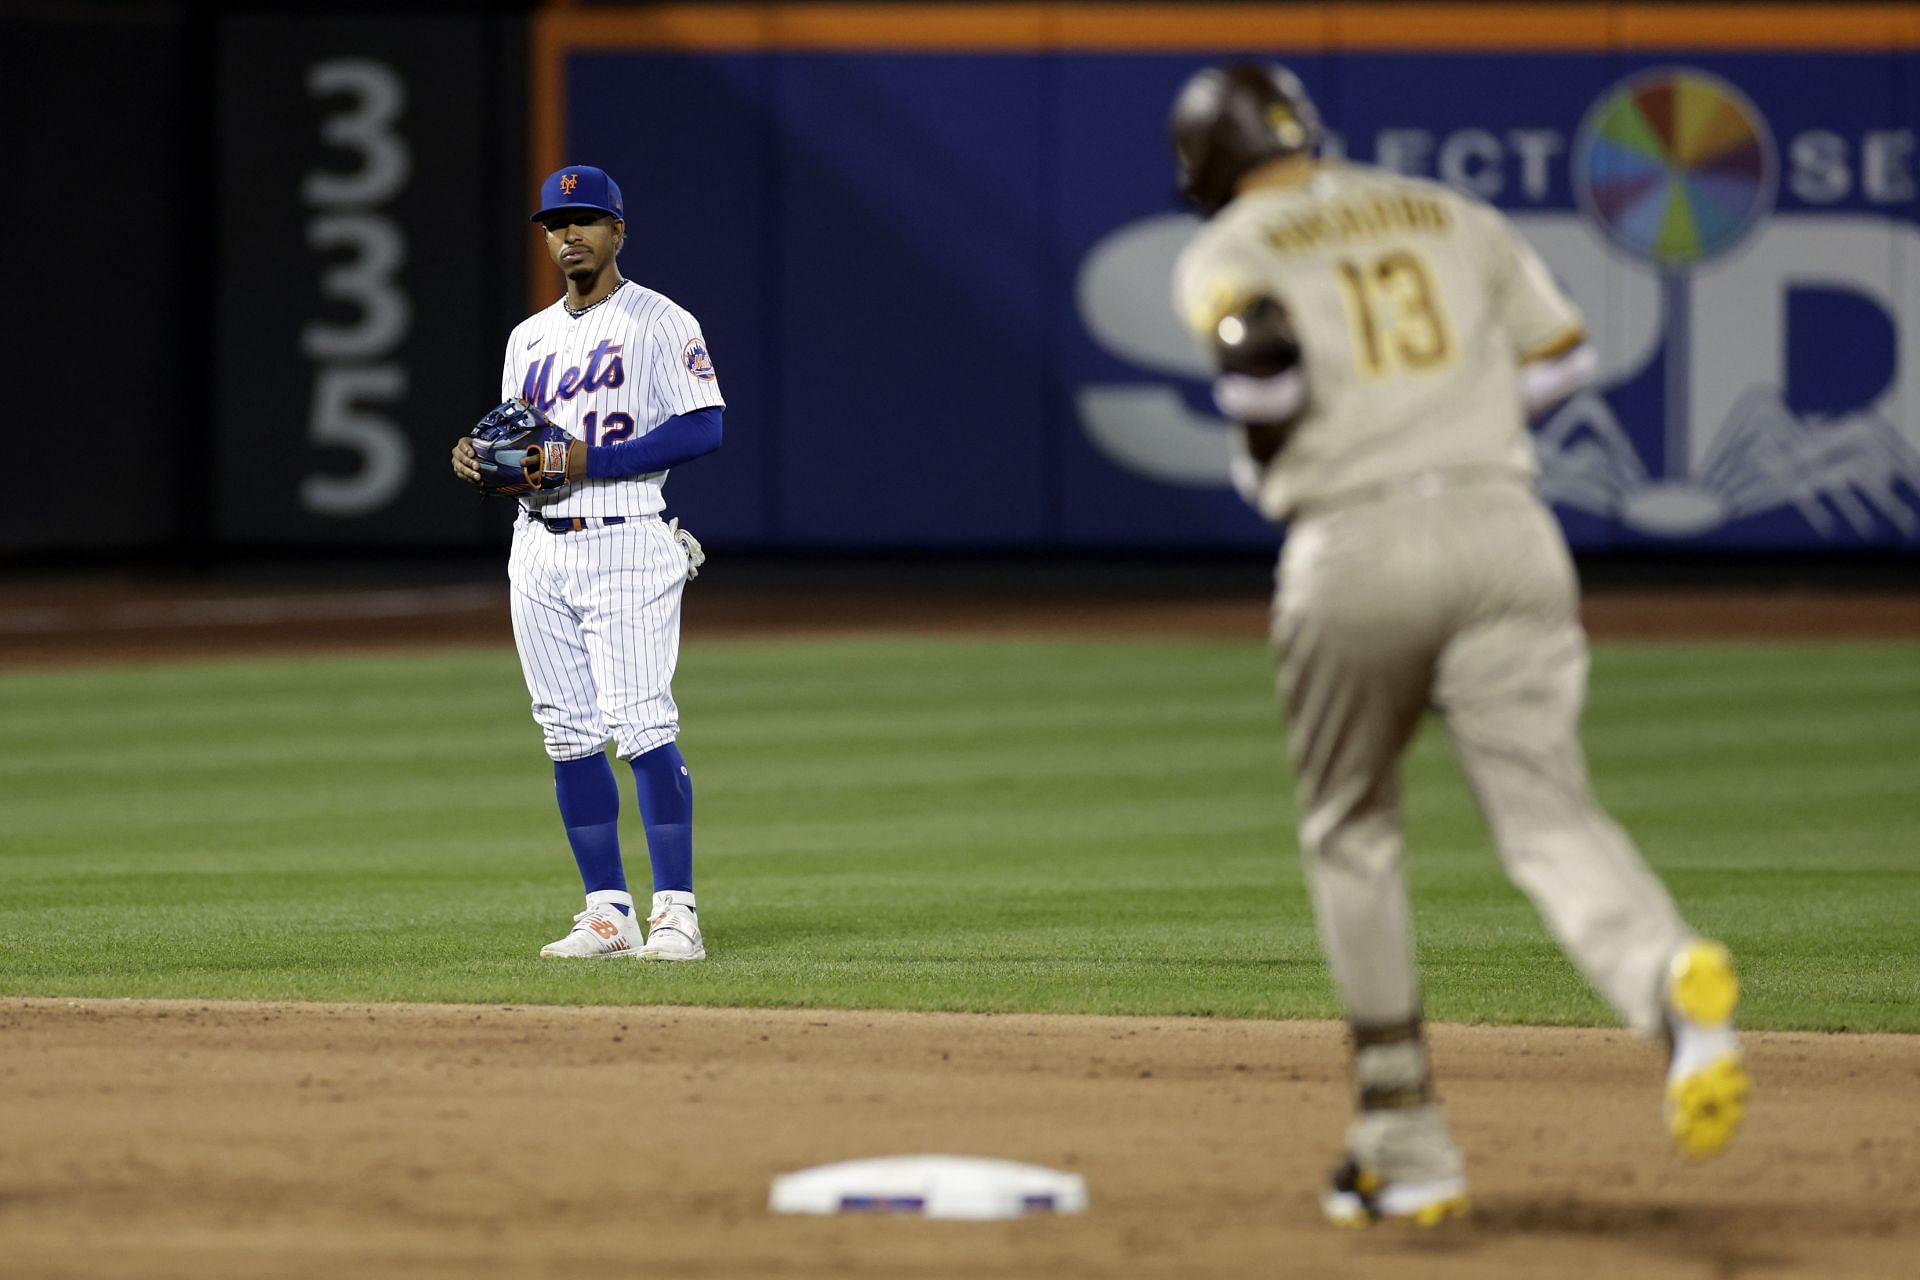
(601, 932)
(673, 930)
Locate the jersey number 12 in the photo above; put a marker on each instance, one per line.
(619, 427)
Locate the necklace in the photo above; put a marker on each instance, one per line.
(591, 305)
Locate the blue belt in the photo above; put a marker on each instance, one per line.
(573, 524)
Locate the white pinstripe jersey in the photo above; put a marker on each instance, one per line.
(614, 372)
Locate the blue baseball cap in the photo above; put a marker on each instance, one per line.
(580, 186)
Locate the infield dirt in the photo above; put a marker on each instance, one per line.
(180, 1139)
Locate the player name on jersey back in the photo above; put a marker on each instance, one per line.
(1372, 215)
(614, 372)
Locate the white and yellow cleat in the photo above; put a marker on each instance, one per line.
(1357, 1197)
(601, 932)
(1707, 1082)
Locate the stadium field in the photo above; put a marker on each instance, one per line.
(268, 992)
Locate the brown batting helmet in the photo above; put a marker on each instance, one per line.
(1229, 119)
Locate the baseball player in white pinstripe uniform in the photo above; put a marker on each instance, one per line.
(596, 573)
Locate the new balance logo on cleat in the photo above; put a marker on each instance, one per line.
(599, 933)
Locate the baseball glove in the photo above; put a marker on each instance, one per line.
(520, 450)
(696, 554)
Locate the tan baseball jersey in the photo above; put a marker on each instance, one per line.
(1415, 306)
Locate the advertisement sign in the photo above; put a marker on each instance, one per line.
(931, 254)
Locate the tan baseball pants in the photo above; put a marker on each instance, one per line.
(1462, 599)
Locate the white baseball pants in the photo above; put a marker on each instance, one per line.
(596, 618)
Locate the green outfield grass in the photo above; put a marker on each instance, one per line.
(920, 823)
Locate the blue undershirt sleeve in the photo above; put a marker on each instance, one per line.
(681, 438)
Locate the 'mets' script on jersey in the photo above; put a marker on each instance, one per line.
(1415, 306)
(616, 371)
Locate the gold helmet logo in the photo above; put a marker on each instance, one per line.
(1286, 126)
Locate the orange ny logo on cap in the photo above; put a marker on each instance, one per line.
(568, 183)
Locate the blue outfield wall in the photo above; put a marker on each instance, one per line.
(935, 284)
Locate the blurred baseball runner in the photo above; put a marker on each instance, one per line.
(603, 392)
(1380, 341)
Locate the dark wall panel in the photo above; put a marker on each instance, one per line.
(365, 242)
(101, 330)
(693, 161)
(913, 302)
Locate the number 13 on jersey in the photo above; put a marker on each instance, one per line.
(1395, 313)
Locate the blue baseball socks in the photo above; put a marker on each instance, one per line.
(590, 810)
(666, 807)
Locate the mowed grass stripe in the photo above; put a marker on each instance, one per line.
(1047, 825)
(1035, 776)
